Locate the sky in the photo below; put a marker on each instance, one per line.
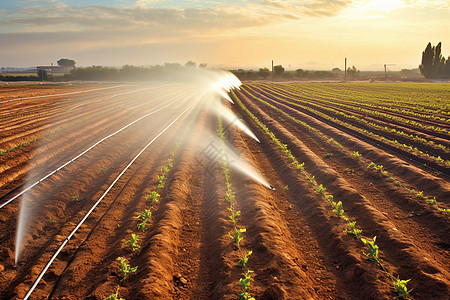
(232, 34)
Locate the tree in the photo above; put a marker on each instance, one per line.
(42, 74)
(190, 64)
(65, 62)
(264, 73)
(300, 73)
(352, 72)
(278, 70)
(203, 66)
(433, 63)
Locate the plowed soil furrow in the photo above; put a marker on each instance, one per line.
(62, 118)
(86, 183)
(50, 151)
(342, 253)
(300, 248)
(365, 123)
(390, 238)
(401, 168)
(425, 121)
(335, 121)
(430, 227)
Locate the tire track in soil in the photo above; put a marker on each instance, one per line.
(396, 246)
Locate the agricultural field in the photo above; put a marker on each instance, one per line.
(169, 191)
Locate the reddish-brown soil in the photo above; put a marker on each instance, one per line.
(300, 248)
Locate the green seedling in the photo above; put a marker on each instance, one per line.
(420, 194)
(234, 215)
(286, 188)
(372, 165)
(141, 226)
(356, 154)
(237, 235)
(351, 228)
(330, 198)
(432, 201)
(230, 197)
(125, 268)
(245, 286)
(161, 181)
(164, 169)
(170, 162)
(320, 189)
(401, 288)
(75, 199)
(243, 262)
(147, 214)
(328, 155)
(51, 221)
(133, 242)
(373, 249)
(114, 296)
(312, 179)
(445, 210)
(154, 197)
(338, 209)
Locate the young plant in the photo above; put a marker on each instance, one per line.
(133, 242)
(320, 189)
(328, 155)
(286, 188)
(351, 228)
(147, 214)
(161, 181)
(243, 262)
(75, 199)
(338, 209)
(153, 197)
(373, 249)
(170, 162)
(237, 235)
(51, 222)
(356, 154)
(234, 215)
(245, 286)
(125, 268)
(114, 296)
(164, 169)
(312, 179)
(401, 288)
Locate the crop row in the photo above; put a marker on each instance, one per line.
(337, 207)
(294, 102)
(236, 234)
(376, 113)
(142, 221)
(430, 200)
(424, 101)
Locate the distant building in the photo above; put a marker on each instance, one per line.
(55, 69)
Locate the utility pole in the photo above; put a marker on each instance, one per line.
(385, 70)
(345, 69)
(272, 70)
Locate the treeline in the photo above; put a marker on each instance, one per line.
(132, 73)
(434, 65)
(280, 73)
(18, 78)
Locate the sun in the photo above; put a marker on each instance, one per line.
(384, 5)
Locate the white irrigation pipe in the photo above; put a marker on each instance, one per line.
(97, 203)
(55, 95)
(81, 154)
